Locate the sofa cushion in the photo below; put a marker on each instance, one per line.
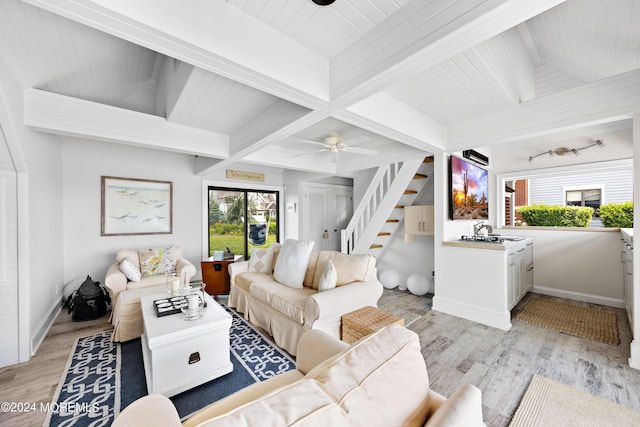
(130, 270)
(349, 267)
(157, 260)
(386, 370)
(328, 278)
(292, 262)
(282, 298)
(244, 280)
(462, 409)
(311, 269)
(261, 260)
(301, 403)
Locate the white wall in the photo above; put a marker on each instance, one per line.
(416, 257)
(84, 162)
(39, 201)
(577, 264)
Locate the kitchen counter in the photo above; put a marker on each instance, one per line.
(502, 246)
(627, 234)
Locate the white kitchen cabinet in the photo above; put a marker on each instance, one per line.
(519, 272)
(418, 220)
(626, 257)
(483, 281)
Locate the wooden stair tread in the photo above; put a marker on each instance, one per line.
(399, 207)
(393, 220)
(375, 246)
(420, 176)
(428, 160)
(410, 192)
(384, 233)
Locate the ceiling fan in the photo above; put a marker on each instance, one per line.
(334, 144)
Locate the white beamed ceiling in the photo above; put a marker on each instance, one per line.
(242, 82)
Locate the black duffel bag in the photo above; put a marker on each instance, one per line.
(89, 301)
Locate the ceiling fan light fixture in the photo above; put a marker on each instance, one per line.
(323, 2)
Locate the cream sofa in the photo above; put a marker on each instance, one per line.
(380, 380)
(287, 313)
(126, 315)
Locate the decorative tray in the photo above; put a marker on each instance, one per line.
(167, 306)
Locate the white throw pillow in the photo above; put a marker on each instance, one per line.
(261, 260)
(292, 262)
(329, 277)
(130, 270)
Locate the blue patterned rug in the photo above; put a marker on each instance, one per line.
(102, 377)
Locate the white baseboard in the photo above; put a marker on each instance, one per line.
(43, 327)
(473, 313)
(634, 360)
(579, 296)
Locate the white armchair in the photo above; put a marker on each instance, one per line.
(126, 315)
(116, 281)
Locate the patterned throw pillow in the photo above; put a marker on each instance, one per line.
(329, 278)
(261, 260)
(130, 270)
(157, 260)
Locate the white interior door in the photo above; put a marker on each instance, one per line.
(340, 214)
(315, 217)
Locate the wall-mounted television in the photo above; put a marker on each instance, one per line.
(468, 189)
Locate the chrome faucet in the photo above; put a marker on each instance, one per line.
(479, 226)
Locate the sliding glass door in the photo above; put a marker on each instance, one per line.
(242, 219)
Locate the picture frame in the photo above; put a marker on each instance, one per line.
(468, 190)
(133, 206)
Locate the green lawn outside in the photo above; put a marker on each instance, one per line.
(235, 242)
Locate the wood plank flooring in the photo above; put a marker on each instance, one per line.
(456, 351)
(36, 380)
(502, 364)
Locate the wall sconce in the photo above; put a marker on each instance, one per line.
(561, 151)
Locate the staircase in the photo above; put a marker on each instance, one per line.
(382, 206)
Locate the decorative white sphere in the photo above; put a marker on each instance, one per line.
(389, 279)
(418, 284)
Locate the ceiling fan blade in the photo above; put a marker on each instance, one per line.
(310, 152)
(364, 151)
(318, 143)
(355, 141)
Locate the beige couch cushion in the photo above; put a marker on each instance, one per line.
(462, 409)
(242, 397)
(244, 280)
(302, 403)
(383, 370)
(350, 267)
(286, 300)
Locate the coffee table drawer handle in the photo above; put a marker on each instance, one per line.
(194, 358)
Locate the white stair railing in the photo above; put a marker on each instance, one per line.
(386, 188)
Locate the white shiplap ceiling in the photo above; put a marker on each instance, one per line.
(264, 75)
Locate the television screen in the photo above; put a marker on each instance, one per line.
(469, 188)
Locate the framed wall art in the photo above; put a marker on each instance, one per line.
(136, 206)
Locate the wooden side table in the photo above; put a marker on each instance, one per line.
(365, 321)
(215, 275)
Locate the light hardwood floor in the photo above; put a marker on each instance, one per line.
(36, 381)
(502, 364)
(456, 351)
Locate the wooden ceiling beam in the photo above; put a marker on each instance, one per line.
(214, 36)
(418, 36)
(64, 115)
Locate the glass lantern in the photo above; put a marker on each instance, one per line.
(172, 283)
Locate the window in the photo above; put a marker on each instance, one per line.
(589, 198)
(590, 185)
(242, 219)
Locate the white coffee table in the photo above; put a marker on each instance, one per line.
(179, 354)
